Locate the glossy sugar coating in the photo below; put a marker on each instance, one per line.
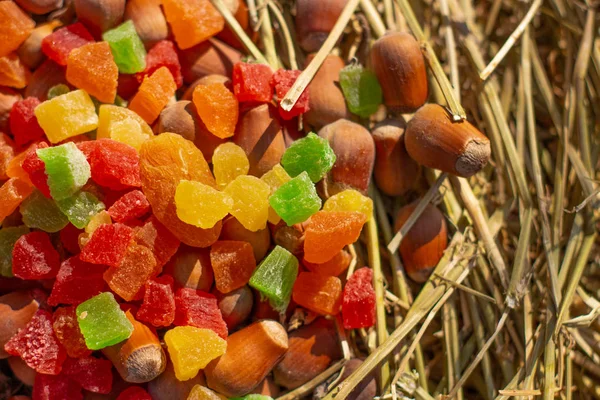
(66, 116)
(12, 193)
(42, 213)
(128, 278)
(274, 277)
(67, 331)
(252, 82)
(113, 164)
(328, 232)
(282, 82)
(165, 161)
(296, 200)
(16, 27)
(134, 393)
(80, 208)
(229, 161)
(250, 201)
(59, 44)
(34, 257)
(275, 177)
(318, 293)
(202, 393)
(123, 125)
(35, 168)
(107, 245)
(55, 387)
(311, 154)
(130, 206)
(23, 123)
(92, 374)
(191, 349)
(350, 200)
(358, 301)
(12, 72)
(199, 309)
(102, 322)
(92, 68)
(8, 238)
(201, 205)
(67, 169)
(153, 95)
(38, 346)
(162, 54)
(155, 236)
(158, 306)
(233, 264)
(76, 282)
(217, 108)
(192, 21)
(361, 90)
(334, 267)
(127, 48)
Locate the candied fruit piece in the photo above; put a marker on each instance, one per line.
(296, 200)
(233, 264)
(80, 208)
(127, 48)
(16, 27)
(7, 152)
(202, 393)
(130, 206)
(311, 154)
(134, 393)
(162, 54)
(34, 257)
(136, 267)
(218, 108)
(107, 245)
(8, 238)
(275, 177)
(361, 90)
(199, 309)
(59, 44)
(334, 267)
(229, 161)
(153, 95)
(192, 21)
(67, 331)
(358, 301)
(12, 72)
(191, 349)
(67, 169)
(38, 346)
(350, 200)
(252, 82)
(92, 374)
(318, 293)
(282, 81)
(91, 67)
(250, 201)
(201, 205)
(12, 193)
(114, 165)
(55, 387)
(158, 239)
(23, 123)
(43, 213)
(158, 307)
(35, 168)
(76, 281)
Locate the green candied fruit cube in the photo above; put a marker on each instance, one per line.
(361, 90)
(58, 90)
(275, 276)
(311, 154)
(296, 200)
(126, 47)
(67, 169)
(40, 212)
(80, 208)
(8, 238)
(102, 322)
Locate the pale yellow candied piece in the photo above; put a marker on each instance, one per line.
(350, 200)
(250, 201)
(229, 161)
(275, 177)
(103, 217)
(201, 205)
(68, 115)
(122, 125)
(203, 393)
(191, 349)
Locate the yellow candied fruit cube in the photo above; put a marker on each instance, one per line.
(203, 393)
(250, 201)
(229, 161)
(201, 205)
(275, 177)
(191, 349)
(68, 115)
(350, 200)
(122, 125)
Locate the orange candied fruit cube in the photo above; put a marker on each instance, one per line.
(218, 109)
(7, 153)
(12, 71)
(233, 264)
(327, 232)
(92, 68)
(192, 21)
(16, 27)
(153, 95)
(334, 267)
(318, 293)
(12, 193)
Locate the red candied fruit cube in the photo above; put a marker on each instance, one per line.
(69, 237)
(55, 387)
(358, 300)
(158, 307)
(252, 82)
(128, 85)
(66, 329)
(130, 206)
(163, 54)
(107, 245)
(36, 169)
(23, 122)
(38, 346)
(157, 238)
(199, 309)
(92, 374)
(134, 393)
(76, 282)
(114, 165)
(282, 81)
(34, 257)
(61, 42)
